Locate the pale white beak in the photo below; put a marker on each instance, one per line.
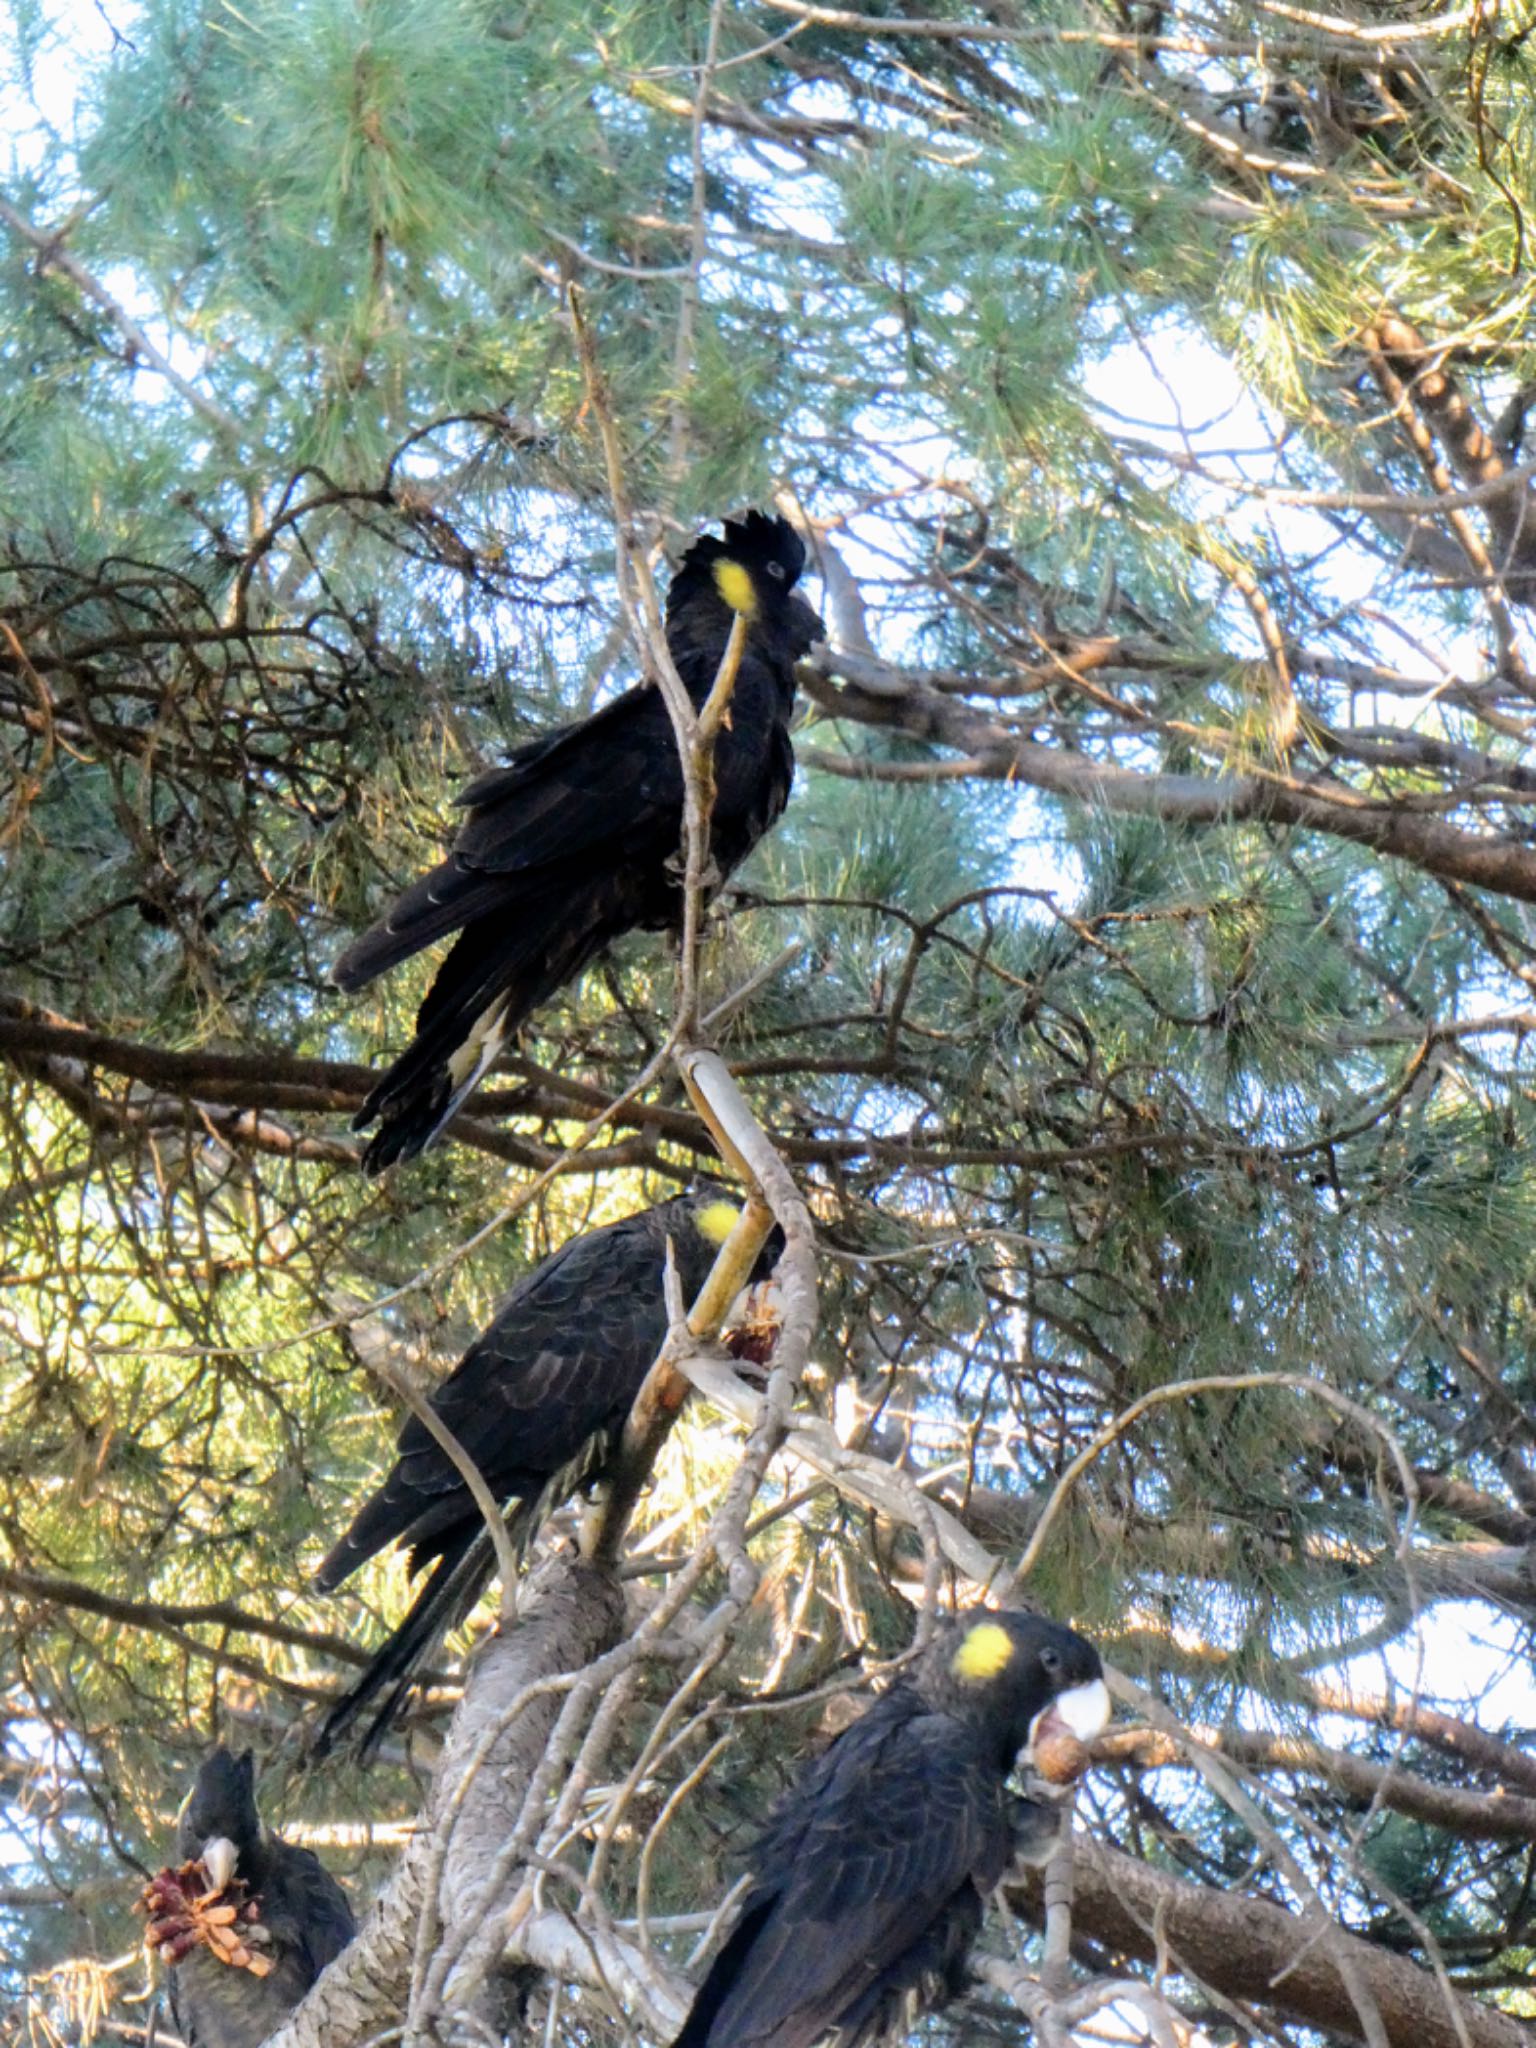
(219, 1859)
(1082, 1710)
(762, 1302)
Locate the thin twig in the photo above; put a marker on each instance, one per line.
(54, 256)
(678, 435)
(1215, 1383)
(454, 1451)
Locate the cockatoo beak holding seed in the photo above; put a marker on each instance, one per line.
(1082, 1710)
(219, 1859)
(1060, 1735)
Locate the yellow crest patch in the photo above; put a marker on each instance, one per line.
(735, 586)
(716, 1220)
(984, 1651)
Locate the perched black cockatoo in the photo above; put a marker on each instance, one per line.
(247, 1921)
(869, 1884)
(575, 841)
(539, 1401)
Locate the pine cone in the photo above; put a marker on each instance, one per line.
(754, 1337)
(184, 1913)
(1059, 1757)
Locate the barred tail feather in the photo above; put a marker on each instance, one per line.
(376, 1523)
(424, 1090)
(460, 1575)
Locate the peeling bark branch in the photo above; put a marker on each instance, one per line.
(604, 1961)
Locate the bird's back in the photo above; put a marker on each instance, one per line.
(565, 1352)
(575, 797)
(867, 1882)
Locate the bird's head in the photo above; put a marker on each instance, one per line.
(753, 571)
(700, 1224)
(218, 1824)
(1021, 1677)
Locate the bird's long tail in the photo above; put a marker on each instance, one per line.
(496, 973)
(455, 1584)
(372, 1527)
(716, 1988)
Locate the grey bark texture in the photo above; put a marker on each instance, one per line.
(569, 1613)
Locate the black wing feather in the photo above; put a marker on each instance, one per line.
(566, 1349)
(563, 809)
(461, 1574)
(874, 1870)
(303, 1899)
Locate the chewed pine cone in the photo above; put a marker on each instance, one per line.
(1059, 1757)
(754, 1336)
(184, 1913)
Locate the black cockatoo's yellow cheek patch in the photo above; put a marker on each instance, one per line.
(717, 1221)
(736, 587)
(984, 1651)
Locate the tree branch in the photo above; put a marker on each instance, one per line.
(569, 1614)
(1247, 1949)
(1506, 866)
(170, 1614)
(53, 255)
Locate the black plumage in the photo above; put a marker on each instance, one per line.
(302, 1921)
(539, 1401)
(869, 1884)
(574, 842)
